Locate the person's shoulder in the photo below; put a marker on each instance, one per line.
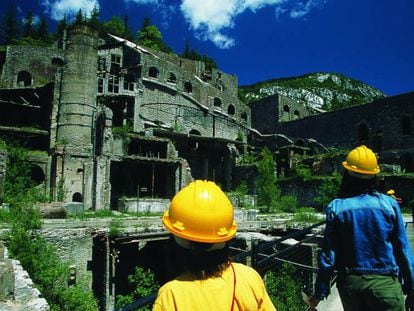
(239, 267)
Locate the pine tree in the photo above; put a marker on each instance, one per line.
(10, 31)
(41, 31)
(28, 25)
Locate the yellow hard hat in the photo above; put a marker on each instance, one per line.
(362, 160)
(201, 212)
(391, 192)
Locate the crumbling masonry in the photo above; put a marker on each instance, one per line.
(110, 121)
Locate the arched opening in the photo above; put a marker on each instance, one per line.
(286, 108)
(24, 78)
(172, 78)
(77, 197)
(195, 132)
(153, 72)
(363, 133)
(217, 102)
(57, 61)
(296, 114)
(188, 87)
(406, 125)
(231, 110)
(37, 174)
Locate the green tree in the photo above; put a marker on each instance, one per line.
(41, 30)
(266, 188)
(28, 25)
(79, 18)
(284, 288)
(150, 36)
(10, 31)
(143, 284)
(115, 26)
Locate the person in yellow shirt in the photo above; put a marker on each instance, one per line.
(200, 218)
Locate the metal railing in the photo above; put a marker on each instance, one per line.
(263, 257)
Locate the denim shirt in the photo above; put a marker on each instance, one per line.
(364, 235)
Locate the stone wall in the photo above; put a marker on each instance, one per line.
(40, 63)
(378, 124)
(17, 292)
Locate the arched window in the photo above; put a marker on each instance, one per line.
(172, 78)
(217, 102)
(188, 87)
(286, 108)
(296, 114)
(231, 110)
(153, 72)
(57, 61)
(195, 132)
(363, 132)
(24, 78)
(77, 197)
(406, 125)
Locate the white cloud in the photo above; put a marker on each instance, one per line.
(57, 9)
(210, 19)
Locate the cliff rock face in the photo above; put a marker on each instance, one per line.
(327, 91)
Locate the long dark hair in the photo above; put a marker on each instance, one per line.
(353, 186)
(197, 261)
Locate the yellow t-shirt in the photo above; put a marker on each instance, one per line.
(214, 294)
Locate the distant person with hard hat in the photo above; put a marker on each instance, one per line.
(200, 217)
(392, 194)
(366, 243)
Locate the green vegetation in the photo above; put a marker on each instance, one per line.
(284, 288)
(142, 283)
(25, 243)
(267, 190)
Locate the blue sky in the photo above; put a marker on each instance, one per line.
(368, 40)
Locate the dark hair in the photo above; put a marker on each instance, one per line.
(197, 261)
(353, 186)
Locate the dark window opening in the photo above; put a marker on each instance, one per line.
(188, 87)
(58, 62)
(113, 84)
(296, 114)
(129, 82)
(231, 110)
(100, 85)
(217, 102)
(363, 133)
(286, 108)
(115, 64)
(77, 197)
(406, 125)
(153, 72)
(244, 116)
(37, 175)
(24, 78)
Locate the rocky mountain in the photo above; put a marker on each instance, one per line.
(326, 91)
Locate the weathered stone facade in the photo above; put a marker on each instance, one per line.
(115, 120)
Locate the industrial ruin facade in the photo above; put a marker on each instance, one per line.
(110, 120)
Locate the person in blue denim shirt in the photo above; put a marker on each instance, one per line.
(365, 243)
